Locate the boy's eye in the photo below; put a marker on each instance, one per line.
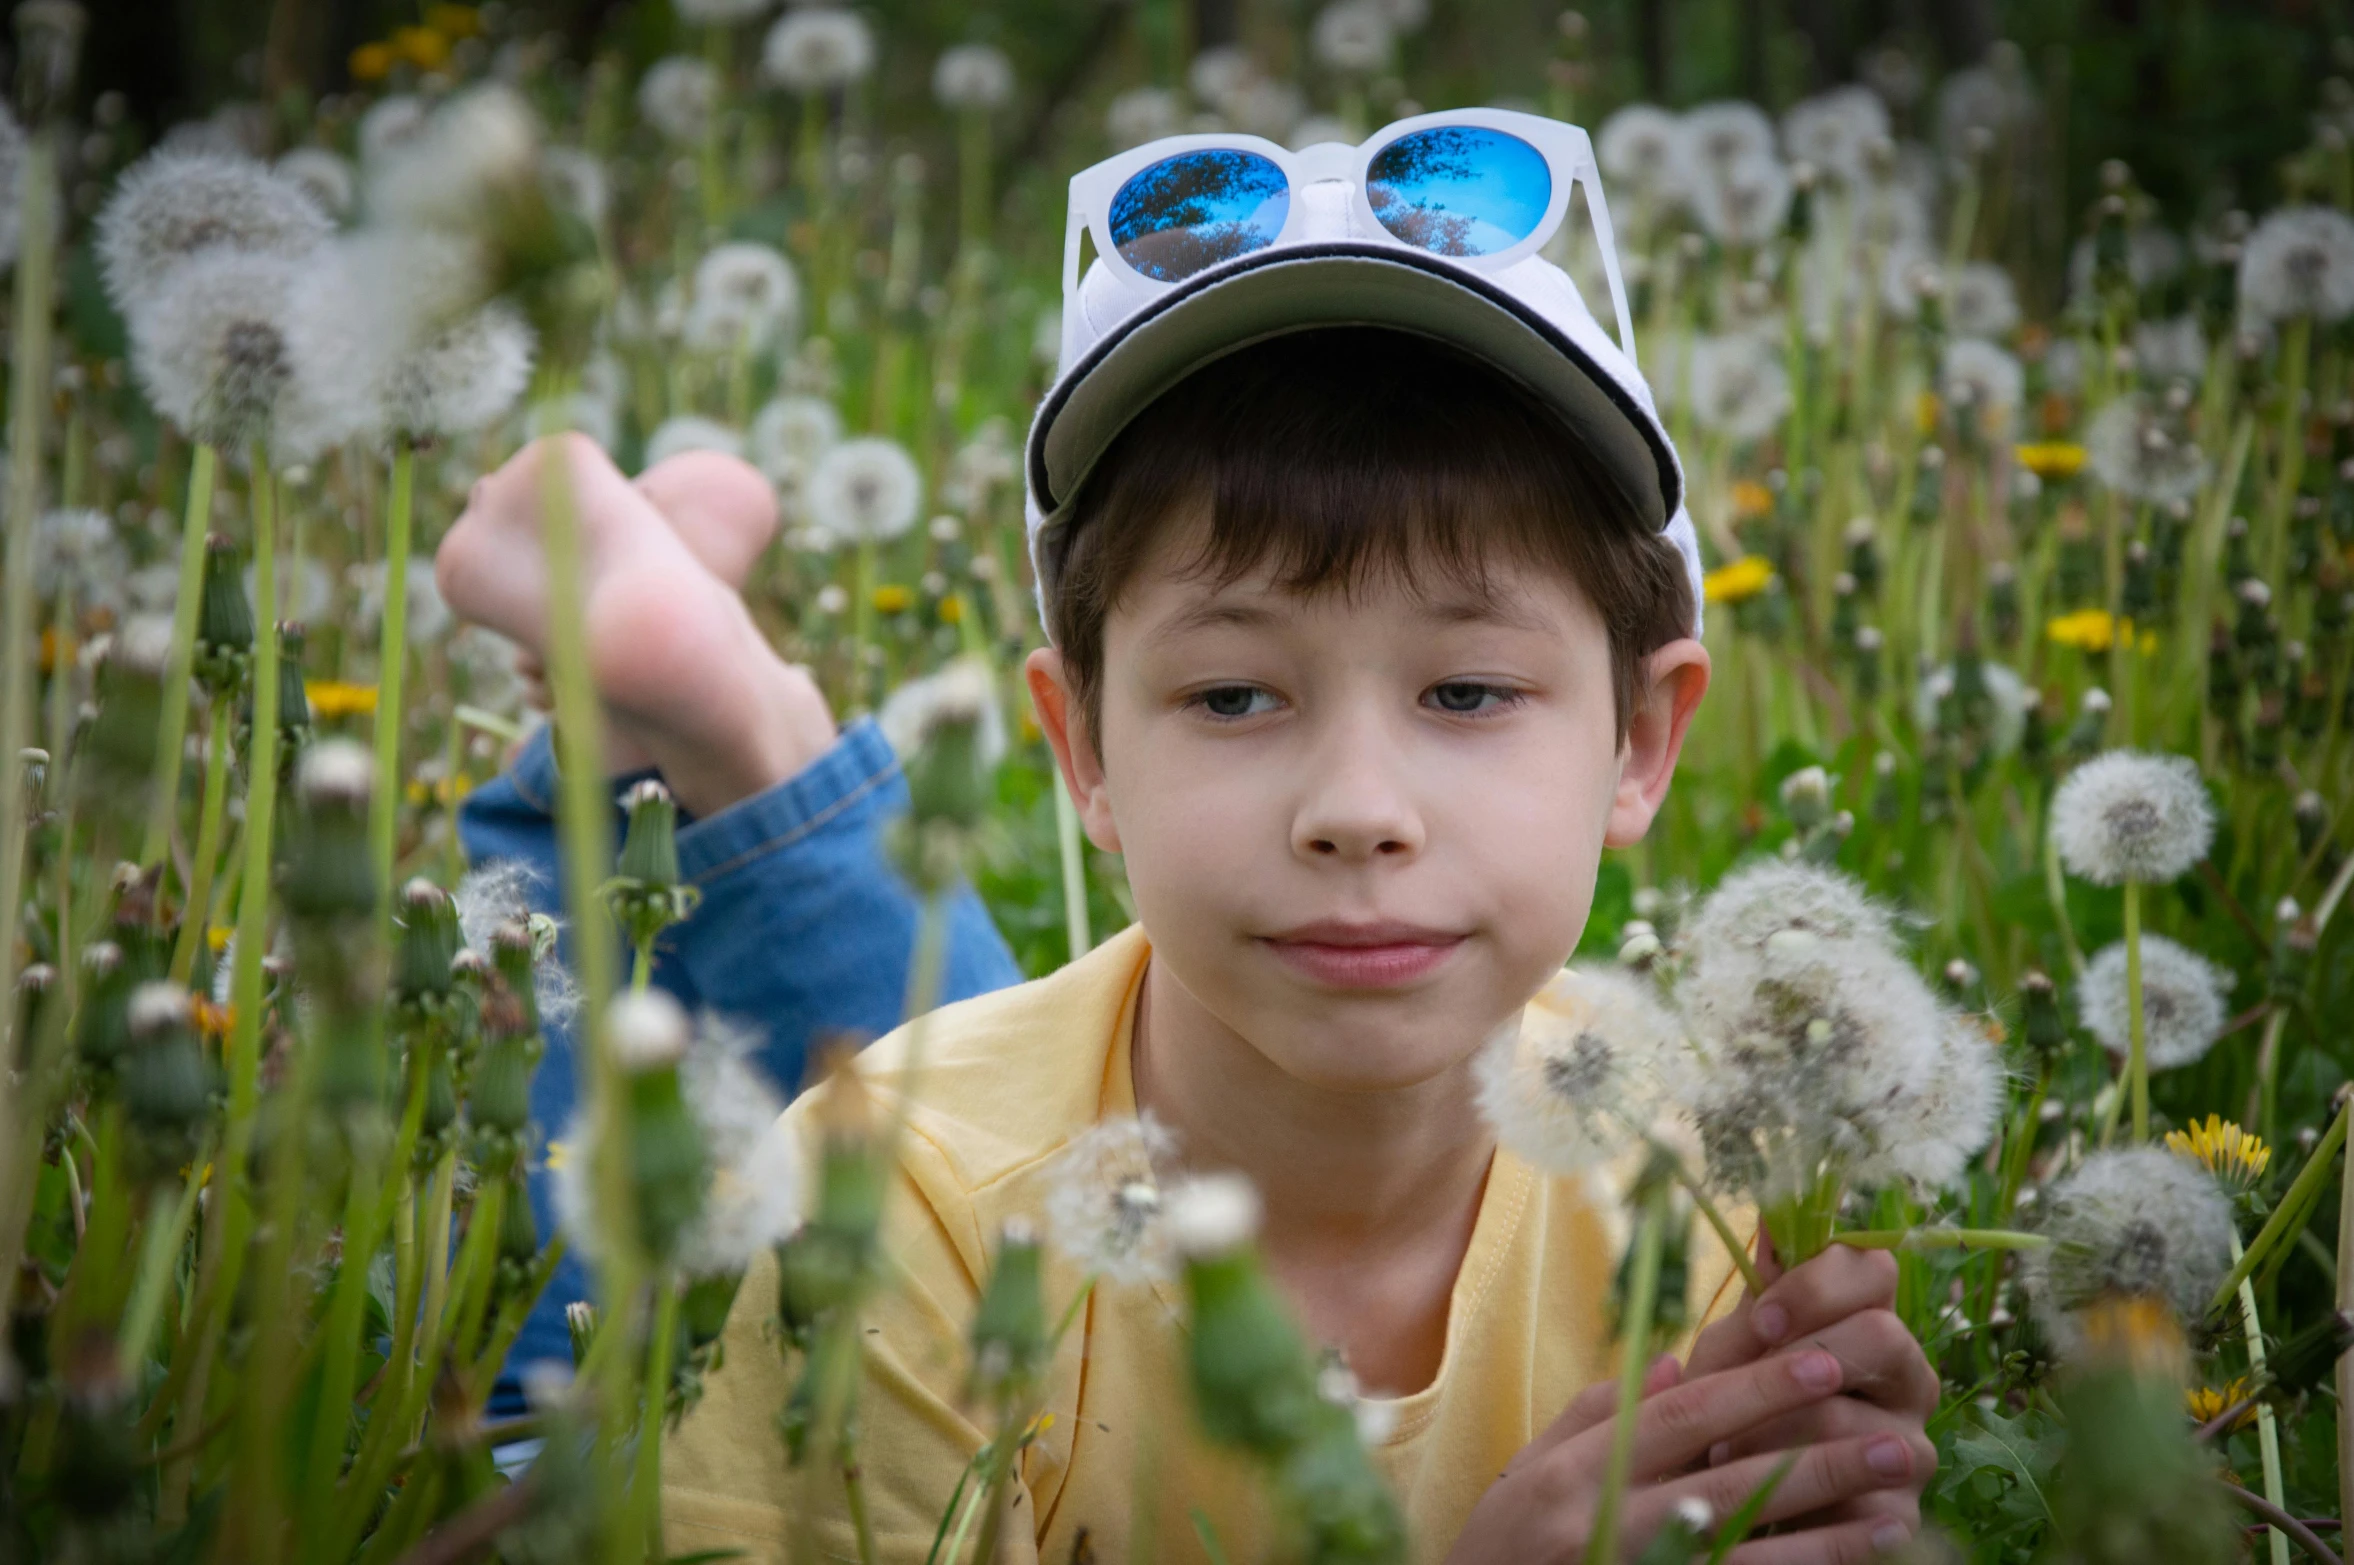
(1232, 701)
(1466, 696)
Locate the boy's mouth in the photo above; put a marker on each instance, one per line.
(1380, 955)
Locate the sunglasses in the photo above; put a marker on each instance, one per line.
(1482, 187)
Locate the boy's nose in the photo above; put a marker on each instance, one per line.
(1356, 811)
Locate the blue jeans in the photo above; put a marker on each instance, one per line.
(804, 931)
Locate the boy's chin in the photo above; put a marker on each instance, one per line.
(1347, 1050)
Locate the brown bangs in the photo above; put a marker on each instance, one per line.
(1346, 456)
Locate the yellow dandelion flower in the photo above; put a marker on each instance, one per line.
(2209, 1403)
(2051, 459)
(891, 598)
(1738, 582)
(454, 21)
(1751, 498)
(558, 1151)
(371, 62)
(1925, 410)
(2228, 1152)
(216, 937)
(2096, 630)
(952, 609)
(2138, 1333)
(213, 1021)
(422, 47)
(444, 792)
(334, 698)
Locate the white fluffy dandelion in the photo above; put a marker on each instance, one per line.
(1594, 1062)
(1353, 37)
(78, 558)
(1642, 145)
(1740, 203)
(2139, 449)
(1724, 135)
(479, 146)
(326, 177)
(1982, 103)
(215, 348)
(2170, 349)
(2132, 815)
(577, 183)
(1143, 114)
(962, 691)
(170, 208)
(2154, 256)
(746, 299)
(391, 125)
(1984, 380)
(2299, 264)
(1929, 1136)
(498, 892)
(1772, 897)
(2134, 1224)
(1104, 1206)
(1213, 1214)
(1739, 387)
(463, 379)
(690, 432)
(1981, 301)
(864, 489)
(1836, 131)
(428, 615)
(795, 430)
(818, 49)
(973, 76)
(2183, 999)
(677, 96)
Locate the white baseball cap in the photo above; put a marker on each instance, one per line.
(1126, 341)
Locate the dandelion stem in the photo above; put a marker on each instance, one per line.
(2267, 1428)
(2289, 1216)
(1734, 1244)
(196, 917)
(2137, 1064)
(1634, 1360)
(2055, 890)
(2343, 1372)
(1073, 854)
(391, 670)
(1940, 1239)
(168, 1216)
(172, 727)
(646, 1484)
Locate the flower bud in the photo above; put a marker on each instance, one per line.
(102, 1030)
(1806, 797)
(2040, 1019)
(166, 1080)
(1009, 1324)
(649, 854)
(36, 987)
(668, 1165)
(224, 620)
(328, 874)
(429, 941)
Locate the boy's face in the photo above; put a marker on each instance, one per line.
(1362, 828)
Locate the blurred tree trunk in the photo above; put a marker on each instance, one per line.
(1651, 19)
(1830, 37)
(1216, 22)
(1751, 41)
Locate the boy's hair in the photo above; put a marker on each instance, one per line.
(1339, 454)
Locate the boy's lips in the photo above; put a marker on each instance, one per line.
(1380, 955)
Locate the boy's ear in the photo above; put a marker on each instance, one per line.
(1063, 720)
(1674, 679)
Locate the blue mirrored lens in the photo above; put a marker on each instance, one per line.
(1459, 189)
(1198, 208)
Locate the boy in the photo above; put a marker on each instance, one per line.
(1369, 632)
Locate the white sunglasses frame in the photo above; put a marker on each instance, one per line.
(1567, 150)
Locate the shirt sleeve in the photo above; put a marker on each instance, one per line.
(804, 931)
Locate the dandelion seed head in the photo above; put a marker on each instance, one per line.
(391, 125)
(1210, 1215)
(683, 432)
(2299, 264)
(1981, 301)
(2132, 815)
(1641, 145)
(577, 183)
(1835, 131)
(2136, 1224)
(1218, 75)
(497, 894)
(1739, 203)
(170, 209)
(215, 350)
(1591, 1064)
(1986, 378)
(746, 299)
(2136, 448)
(1927, 1137)
(1977, 106)
(1104, 1200)
(818, 48)
(866, 488)
(2154, 257)
(1739, 386)
(973, 76)
(463, 379)
(476, 149)
(2173, 349)
(1353, 37)
(1139, 115)
(337, 771)
(428, 613)
(677, 96)
(755, 1197)
(1723, 135)
(646, 1029)
(326, 177)
(960, 692)
(78, 558)
(2183, 1002)
(1767, 897)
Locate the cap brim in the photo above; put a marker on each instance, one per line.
(1305, 287)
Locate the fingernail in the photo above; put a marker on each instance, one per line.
(1889, 1535)
(1888, 1458)
(1817, 1371)
(1720, 1453)
(1771, 1322)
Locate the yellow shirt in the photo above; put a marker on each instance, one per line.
(1006, 1080)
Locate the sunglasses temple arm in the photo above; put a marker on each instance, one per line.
(1598, 213)
(1074, 226)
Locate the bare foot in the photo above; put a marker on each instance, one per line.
(688, 683)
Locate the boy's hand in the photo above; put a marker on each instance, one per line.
(1542, 1510)
(1839, 1303)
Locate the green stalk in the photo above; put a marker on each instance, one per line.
(1634, 1360)
(645, 1500)
(384, 804)
(2295, 352)
(168, 1217)
(1912, 1239)
(28, 400)
(342, 1330)
(1073, 853)
(2289, 1216)
(172, 729)
(2137, 1063)
(1732, 1241)
(2267, 1427)
(2055, 890)
(196, 917)
(2342, 1375)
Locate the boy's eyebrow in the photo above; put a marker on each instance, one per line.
(1484, 608)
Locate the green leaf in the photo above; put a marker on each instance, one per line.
(2019, 1454)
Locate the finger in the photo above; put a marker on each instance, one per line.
(1595, 1404)
(1833, 1418)
(1732, 1340)
(1898, 1505)
(1880, 1360)
(1835, 1284)
(1676, 1427)
(1849, 1543)
(1820, 1476)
